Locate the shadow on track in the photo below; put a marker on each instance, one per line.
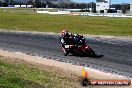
(96, 56)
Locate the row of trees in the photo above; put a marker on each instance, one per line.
(38, 4)
(124, 7)
(86, 6)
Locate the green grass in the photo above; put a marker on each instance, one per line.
(24, 76)
(19, 19)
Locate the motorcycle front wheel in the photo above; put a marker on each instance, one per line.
(66, 52)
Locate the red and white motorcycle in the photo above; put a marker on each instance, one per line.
(77, 48)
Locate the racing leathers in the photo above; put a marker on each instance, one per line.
(73, 39)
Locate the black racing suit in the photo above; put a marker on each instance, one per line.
(79, 40)
(67, 40)
(73, 40)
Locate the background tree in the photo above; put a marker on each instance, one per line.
(93, 7)
(37, 4)
(11, 2)
(30, 2)
(124, 8)
(0, 3)
(4, 4)
(43, 5)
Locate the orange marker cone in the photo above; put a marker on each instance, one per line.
(84, 73)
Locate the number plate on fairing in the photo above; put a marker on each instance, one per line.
(67, 46)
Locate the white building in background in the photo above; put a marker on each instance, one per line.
(130, 7)
(102, 5)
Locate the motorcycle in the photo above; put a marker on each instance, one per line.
(79, 47)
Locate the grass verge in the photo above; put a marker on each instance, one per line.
(27, 20)
(18, 74)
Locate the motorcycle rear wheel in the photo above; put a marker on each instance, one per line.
(91, 52)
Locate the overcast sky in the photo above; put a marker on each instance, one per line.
(112, 1)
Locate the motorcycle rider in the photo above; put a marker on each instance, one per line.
(69, 38)
(80, 38)
(75, 44)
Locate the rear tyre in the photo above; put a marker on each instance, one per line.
(65, 51)
(92, 52)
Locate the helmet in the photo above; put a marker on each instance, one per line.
(65, 33)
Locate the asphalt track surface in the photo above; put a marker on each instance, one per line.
(117, 54)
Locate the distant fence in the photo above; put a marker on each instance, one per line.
(107, 15)
(54, 13)
(88, 14)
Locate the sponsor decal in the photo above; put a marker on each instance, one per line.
(86, 81)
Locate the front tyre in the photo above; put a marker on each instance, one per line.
(65, 51)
